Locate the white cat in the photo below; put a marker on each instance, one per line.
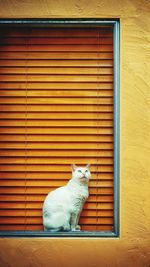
(62, 207)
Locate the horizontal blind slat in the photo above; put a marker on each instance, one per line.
(55, 85)
(53, 41)
(107, 47)
(55, 101)
(56, 138)
(36, 191)
(55, 55)
(58, 70)
(32, 198)
(38, 206)
(55, 130)
(56, 63)
(56, 161)
(37, 213)
(33, 227)
(63, 146)
(103, 31)
(58, 153)
(49, 168)
(59, 78)
(53, 175)
(57, 108)
(58, 93)
(57, 123)
(33, 220)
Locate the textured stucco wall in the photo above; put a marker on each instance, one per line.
(133, 246)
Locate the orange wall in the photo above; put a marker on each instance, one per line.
(133, 246)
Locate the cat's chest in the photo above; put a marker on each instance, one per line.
(78, 197)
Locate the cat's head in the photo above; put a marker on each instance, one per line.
(81, 174)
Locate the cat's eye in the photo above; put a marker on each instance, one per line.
(86, 171)
(79, 171)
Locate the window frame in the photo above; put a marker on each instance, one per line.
(115, 23)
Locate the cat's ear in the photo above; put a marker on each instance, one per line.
(73, 166)
(88, 166)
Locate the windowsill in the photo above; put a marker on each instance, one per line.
(57, 234)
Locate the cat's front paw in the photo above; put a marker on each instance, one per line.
(77, 228)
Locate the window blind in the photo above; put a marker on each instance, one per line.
(56, 103)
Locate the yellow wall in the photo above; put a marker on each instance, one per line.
(133, 247)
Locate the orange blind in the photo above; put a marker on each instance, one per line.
(56, 103)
